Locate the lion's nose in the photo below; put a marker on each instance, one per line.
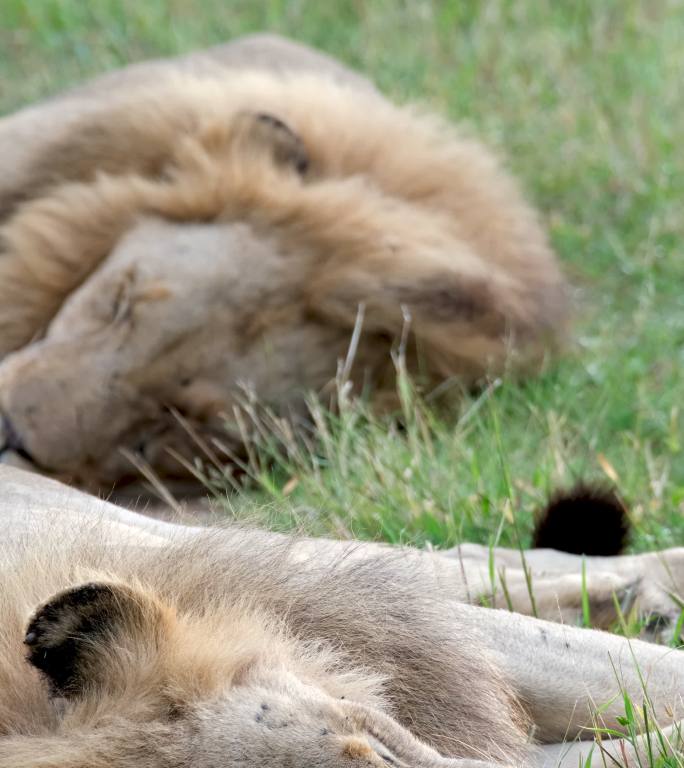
(10, 440)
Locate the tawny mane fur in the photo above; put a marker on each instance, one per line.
(361, 205)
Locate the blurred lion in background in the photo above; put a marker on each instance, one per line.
(180, 229)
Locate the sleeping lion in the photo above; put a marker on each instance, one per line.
(178, 231)
(153, 645)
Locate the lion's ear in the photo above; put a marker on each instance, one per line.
(262, 132)
(73, 637)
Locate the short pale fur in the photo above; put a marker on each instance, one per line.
(241, 648)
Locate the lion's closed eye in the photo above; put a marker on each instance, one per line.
(113, 304)
(122, 300)
(129, 292)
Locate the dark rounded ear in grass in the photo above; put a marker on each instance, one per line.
(585, 520)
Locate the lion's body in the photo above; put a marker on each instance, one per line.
(158, 646)
(233, 226)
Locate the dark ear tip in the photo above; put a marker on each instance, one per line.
(57, 630)
(586, 519)
(288, 147)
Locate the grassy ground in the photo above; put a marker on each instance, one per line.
(584, 100)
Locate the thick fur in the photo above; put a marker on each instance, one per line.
(440, 208)
(168, 634)
(342, 203)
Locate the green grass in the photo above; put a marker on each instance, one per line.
(584, 99)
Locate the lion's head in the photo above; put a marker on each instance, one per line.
(183, 241)
(136, 679)
(171, 325)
